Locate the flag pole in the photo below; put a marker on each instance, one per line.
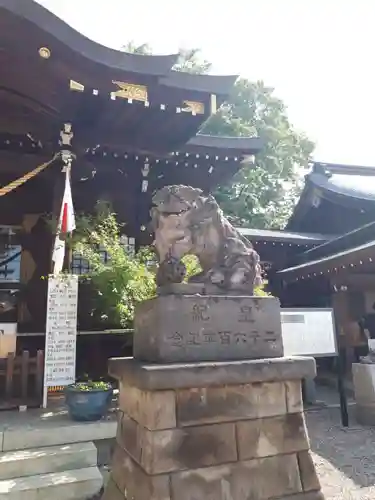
(66, 223)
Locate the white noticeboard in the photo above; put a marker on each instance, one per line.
(61, 332)
(308, 332)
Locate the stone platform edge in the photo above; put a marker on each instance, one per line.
(310, 495)
(154, 377)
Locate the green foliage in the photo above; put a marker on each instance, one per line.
(133, 48)
(90, 386)
(190, 61)
(121, 282)
(124, 280)
(261, 195)
(192, 266)
(260, 291)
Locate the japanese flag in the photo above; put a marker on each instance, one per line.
(66, 225)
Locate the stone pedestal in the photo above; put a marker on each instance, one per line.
(364, 391)
(203, 430)
(179, 328)
(212, 431)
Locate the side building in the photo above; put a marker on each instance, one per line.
(338, 201)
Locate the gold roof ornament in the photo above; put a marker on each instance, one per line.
(44, 52)
(194, 107)
(130, 91)
(76, 86)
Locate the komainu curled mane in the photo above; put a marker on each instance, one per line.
(186, 221)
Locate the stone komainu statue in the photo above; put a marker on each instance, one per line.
(185, 221)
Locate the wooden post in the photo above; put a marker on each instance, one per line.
(340, 369)
(39, 372)
(24, 374)
(9, 375)
(58, 193)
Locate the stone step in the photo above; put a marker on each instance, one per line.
(70, 485)
(23, 463)
(38, 433)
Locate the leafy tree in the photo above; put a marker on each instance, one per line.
(262, 194)
(133, 48)
(190, 61)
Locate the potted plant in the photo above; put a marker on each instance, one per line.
(88, 401)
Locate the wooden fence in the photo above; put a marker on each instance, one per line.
(21, 380)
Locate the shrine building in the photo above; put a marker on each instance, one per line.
(130, 123)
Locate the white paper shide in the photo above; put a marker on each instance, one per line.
(61, 331)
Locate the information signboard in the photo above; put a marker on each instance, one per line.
(308, 332)
(61, 332)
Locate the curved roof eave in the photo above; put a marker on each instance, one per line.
(323, 182)
(283, 236)
(300, 207)
(215, 84)
(47, 21)
(327, 261)
(238, 145)
(356, 237)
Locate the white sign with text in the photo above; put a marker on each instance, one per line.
(308, 332)
(61, 331)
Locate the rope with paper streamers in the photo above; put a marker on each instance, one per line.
(18, 182)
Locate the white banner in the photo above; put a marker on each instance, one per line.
(61, 331)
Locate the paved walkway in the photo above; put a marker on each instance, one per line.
(345, 458)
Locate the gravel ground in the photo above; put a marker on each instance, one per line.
(344, 457)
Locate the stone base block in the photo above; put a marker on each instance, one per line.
(188, 328)
(364, 383)
(277, 477)
(365, 414)
(160, 377)
(312, 495)
(242, 435)
(134, 483)
(112, 492)
(364, 392)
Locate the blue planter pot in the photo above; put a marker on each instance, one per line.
(87, 406)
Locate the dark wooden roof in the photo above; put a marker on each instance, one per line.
(344, 242)
(283, 236)
(341, 252)
(214, 84)
(31, 12)
(202, 150)
(238, 146)
(345, 180)
(360, 257)
(126, 178)
(347, 186)
(35, 95)
(115, 135)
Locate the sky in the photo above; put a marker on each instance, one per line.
(318, 55)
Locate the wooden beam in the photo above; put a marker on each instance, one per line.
(11, 162)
